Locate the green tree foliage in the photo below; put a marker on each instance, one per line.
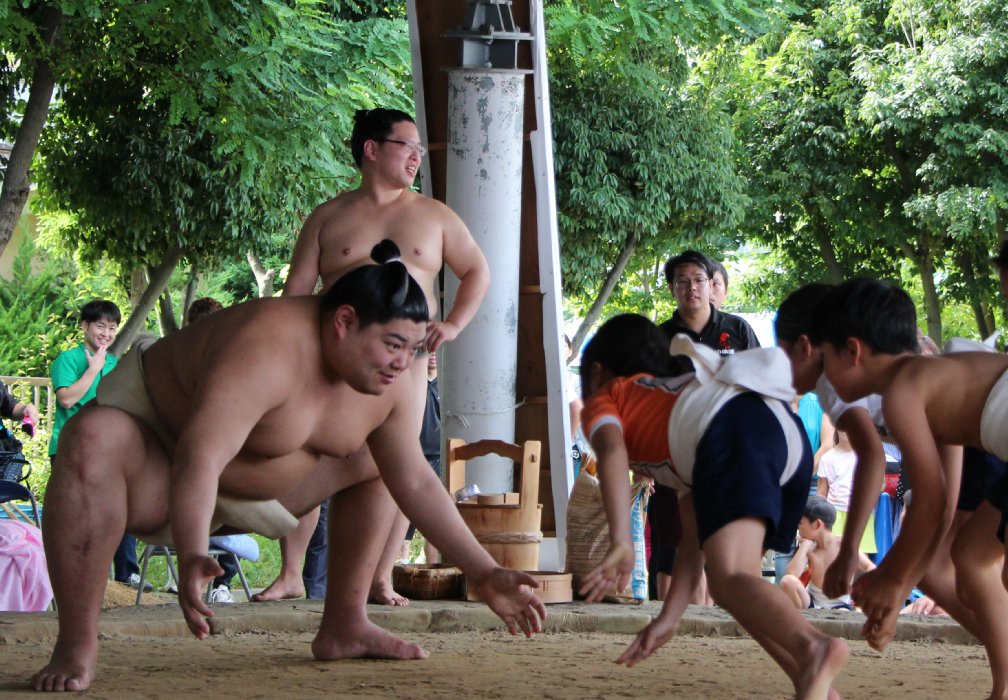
(643, 157)
(225, 129)
(40, 310)
(874, 133)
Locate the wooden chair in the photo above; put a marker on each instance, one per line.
(507, 525)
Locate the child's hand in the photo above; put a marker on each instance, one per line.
(880, 596)
(195, 572)
(509, 594)
(613, 571)
(878, 633)
(655, 635)
(839, 574)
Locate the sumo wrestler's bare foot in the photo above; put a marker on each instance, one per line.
(283, 588)
(71, 667)
(363, 640)
(382, 593)
(829, 656)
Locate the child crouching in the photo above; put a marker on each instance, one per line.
(749, 496)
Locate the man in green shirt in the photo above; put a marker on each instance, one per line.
(75, 374)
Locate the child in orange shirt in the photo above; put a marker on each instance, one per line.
(734, 420)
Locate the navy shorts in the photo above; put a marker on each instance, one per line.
(981, 471)
(739, 463)
(998, 497)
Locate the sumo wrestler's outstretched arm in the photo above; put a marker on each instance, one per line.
(424, 500)
(231, 399)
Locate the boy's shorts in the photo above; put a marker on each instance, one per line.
(980, 472)
(998, 497)
(739, 462)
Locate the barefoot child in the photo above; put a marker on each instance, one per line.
(818, 549)
(748, 495)
(930, 404)
(864, 423)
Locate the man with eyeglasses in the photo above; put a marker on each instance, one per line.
(689, 277)
(337, 237)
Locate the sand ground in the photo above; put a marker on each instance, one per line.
(495, 665)
(263, 651)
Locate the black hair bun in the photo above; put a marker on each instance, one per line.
(385, 251)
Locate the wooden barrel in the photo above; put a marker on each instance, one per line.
(510, 534)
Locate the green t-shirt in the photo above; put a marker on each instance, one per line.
(66, 369)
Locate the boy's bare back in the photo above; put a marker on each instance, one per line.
(952, 389)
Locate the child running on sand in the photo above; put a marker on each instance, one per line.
(866, 329)
(748, 496)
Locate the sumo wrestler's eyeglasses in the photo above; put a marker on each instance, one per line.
(417, 148)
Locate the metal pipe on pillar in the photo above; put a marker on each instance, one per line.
(483, 186)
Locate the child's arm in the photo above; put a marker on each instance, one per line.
(613, 473)
(686, 572)
(827, 437)
(881, 593)
(868, 477)
(864, 563)
(800, 561)
(822, 486)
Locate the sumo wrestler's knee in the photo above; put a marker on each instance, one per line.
(92, 447)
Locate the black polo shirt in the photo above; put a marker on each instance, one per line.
(726, 333)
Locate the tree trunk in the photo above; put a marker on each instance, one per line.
(17, 181)
(190, 296)
(932, 306)
(138, 283)
(607, 288)
(828, 252)
(264, 278)
(160, 277)
(964, 259)
(166, 314)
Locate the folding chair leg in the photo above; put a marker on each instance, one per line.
(144, 561)
(244, 581)
(172, 571)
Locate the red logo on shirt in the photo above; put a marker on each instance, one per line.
(725, 341)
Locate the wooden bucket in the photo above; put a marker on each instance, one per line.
(510, 531)
(427, 581)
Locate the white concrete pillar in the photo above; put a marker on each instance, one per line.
(483, 186)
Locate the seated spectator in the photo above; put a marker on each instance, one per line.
(17, 411)
(24, 580)
(818, 548)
